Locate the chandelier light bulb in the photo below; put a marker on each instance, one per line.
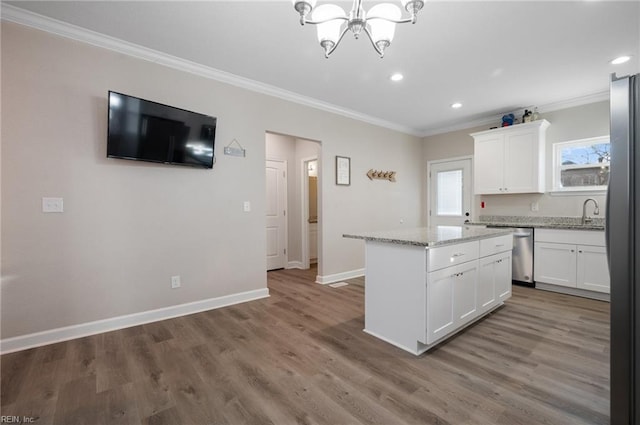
(383, 30)
(329, 18)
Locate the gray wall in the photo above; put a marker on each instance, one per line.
(128, 226)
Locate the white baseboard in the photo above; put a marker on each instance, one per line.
(18, 343)
(574, 291)
(331, 278)
(295, 265)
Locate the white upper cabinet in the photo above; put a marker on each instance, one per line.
(510, 159)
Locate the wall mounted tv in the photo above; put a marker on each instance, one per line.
(148, 131)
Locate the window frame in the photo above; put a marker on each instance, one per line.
(557, 165)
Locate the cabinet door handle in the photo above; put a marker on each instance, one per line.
(499, 245)
(580, 251)
(573, 250)
(459, 254)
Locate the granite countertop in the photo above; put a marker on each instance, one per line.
(569, 223)
(430, 236)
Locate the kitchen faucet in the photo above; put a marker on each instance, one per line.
(596, 210)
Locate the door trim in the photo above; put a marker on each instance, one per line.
(440, 161)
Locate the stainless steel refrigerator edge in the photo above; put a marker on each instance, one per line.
(623, 249)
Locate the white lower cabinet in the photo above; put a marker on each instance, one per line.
(451, 299)
(458, 294)
(555, 263)
(593, 269)
(494, 281)
(572, 259)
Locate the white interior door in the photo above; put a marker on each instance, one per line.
(276, 214)
(450, 192)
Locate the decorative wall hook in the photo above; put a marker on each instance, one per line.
(381, 175)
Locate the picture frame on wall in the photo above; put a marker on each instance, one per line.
(343, 170)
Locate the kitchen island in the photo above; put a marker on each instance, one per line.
(422, 285)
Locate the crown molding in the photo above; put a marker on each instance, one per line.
(495, 119)
(20, 16)
(24, 17)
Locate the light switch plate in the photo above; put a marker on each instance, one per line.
(175, 282)
(52, 205)
(246, 206)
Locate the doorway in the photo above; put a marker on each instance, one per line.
(449, 191)
(302, 160)
(309, 232)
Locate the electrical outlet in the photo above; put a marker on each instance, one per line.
(246, 206)
(175, 282)
(535, 207)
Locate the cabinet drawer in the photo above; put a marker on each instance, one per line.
(576, 237)
(496, 245)
(450, 255)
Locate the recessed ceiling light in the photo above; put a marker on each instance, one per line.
(620, 60)
(456, 105)
(396, 77)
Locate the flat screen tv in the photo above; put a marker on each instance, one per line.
(148, 131)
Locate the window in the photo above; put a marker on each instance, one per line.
(450, 193)
(581, 164)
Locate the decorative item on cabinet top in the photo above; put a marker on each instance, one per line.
(381, 175)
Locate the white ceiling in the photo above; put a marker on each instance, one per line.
(493, 56)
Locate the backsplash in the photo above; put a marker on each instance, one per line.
(538, 205)
(571, 221)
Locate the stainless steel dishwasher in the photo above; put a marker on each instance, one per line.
(522, 257)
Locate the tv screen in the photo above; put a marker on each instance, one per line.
(148, 131)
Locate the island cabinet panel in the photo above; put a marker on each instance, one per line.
(440, 314)
(487, 284)
(450, 255)
(496, 245)
(394, 293)
(502, 273)
(494, 280)
(465, 292)
(451, 299)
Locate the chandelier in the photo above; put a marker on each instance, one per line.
(379, 23)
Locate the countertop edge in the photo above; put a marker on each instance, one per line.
(428, 244)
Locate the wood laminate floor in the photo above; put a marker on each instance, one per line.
(300, 357)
